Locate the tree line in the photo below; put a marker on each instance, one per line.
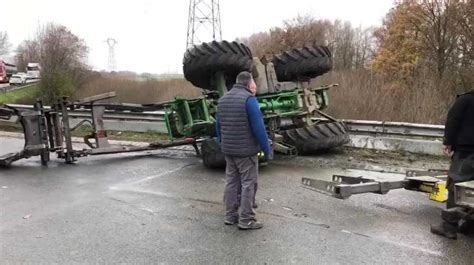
(416, 36)
(408, 69)
(351, 47)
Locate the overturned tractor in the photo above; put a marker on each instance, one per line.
(290, 104)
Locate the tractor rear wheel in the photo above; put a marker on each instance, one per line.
(212, 156)
(302, 64)
(317, 137)
(201, 62)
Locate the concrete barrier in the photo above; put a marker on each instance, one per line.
(399, 144)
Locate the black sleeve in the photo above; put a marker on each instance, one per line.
(454, 120)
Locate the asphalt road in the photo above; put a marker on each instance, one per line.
(164, 207)
(3, 85)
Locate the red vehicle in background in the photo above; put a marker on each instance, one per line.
(6, 71)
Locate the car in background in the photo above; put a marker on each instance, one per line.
(33, 70)
(18, 79)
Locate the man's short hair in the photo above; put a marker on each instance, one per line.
(244, 78)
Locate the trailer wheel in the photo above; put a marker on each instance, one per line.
(212, 156)
(201, 62)
(303, 63)
(317, 137)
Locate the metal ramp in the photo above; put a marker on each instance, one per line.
(343, 187)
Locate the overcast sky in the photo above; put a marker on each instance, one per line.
(151, 34)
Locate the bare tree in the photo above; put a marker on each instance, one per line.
(436, 22)
(465, 29)
(4, 43)
(259, 43)
(364, 45)
(351, 47)
(62, 57)
(27, 52)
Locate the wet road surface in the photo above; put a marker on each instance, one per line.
(166, 208)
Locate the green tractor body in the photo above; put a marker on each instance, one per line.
(290, 105)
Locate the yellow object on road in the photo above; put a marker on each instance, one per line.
(439, 192)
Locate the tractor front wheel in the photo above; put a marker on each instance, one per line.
(212, 156)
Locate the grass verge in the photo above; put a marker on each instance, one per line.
(25, 95)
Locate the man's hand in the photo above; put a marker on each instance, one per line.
(270, 151)
(448, 150)
(269, 156)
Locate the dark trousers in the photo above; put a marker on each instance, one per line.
(240, 189)
(461, 169)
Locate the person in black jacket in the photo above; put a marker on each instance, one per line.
(459, 130)
(459, 144)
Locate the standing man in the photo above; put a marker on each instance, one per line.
(459, 144)
(242, 135)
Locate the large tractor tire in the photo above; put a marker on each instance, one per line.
(302, 64)
(212, 156)
(201, 62)
(317, 137)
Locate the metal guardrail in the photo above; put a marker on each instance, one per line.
(10, 88)
(395, 128)
(146, 121)
(155, 116)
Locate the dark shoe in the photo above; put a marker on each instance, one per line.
(445, 230)
(231, 221)
(249, 225)
(467, 228)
